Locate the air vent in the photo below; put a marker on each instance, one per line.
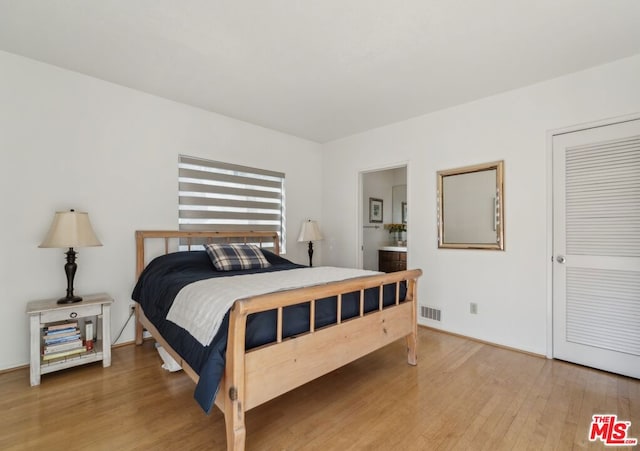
(430, 313)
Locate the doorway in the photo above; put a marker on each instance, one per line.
(385, 188)
(596, 247)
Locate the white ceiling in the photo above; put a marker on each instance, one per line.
(322, 69)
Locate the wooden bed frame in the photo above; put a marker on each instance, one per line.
(258, 375)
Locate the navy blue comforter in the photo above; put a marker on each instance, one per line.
(165, 276)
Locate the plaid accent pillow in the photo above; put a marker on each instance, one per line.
(233, 257)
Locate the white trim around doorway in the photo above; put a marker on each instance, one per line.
(361, 204)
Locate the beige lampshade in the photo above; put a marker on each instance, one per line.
(310, 232)
(71, 229)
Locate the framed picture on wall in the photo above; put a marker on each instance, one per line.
(404, 212)
(375, 210)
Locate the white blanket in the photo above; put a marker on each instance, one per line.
(200, 306)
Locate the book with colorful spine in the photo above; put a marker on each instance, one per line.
(61, 340)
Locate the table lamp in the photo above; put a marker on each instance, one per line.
(310, 232)
(70, 229)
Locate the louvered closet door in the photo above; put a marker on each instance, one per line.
(596, 241)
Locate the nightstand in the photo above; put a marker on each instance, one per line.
(42, 313)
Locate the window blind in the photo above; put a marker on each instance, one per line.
(221, 196)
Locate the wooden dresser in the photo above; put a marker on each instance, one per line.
(390, 261)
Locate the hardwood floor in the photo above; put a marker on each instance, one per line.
(462, 395)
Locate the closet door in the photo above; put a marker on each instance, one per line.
(596, 245)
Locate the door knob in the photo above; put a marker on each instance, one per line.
(560, 258)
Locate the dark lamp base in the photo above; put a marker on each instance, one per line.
(70, 271)
(69, 300)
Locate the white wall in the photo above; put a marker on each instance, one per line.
(71, 141)
(510, 287)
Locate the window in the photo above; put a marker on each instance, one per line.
(222, 196)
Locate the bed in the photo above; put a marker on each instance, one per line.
(269, 343)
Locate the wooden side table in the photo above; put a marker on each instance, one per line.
(46, 311)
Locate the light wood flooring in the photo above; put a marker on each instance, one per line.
(462, 395)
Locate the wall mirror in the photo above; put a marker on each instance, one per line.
(471, 207)
(399, 204)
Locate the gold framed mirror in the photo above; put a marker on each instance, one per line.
(471, 207)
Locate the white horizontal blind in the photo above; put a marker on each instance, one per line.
(220, 196)
(603, 198)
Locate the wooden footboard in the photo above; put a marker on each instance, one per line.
(255, 376)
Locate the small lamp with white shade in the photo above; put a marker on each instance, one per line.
(310, 232)
(70, 229)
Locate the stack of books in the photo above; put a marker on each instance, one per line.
(62, 340)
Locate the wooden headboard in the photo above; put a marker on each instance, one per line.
(193, 238)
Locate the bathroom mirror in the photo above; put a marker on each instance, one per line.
(471, 207)
(399, 204)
